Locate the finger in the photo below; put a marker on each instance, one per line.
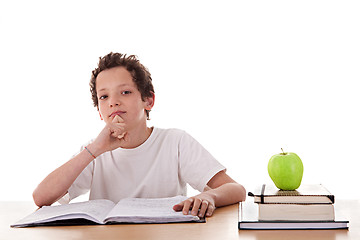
(119, 127)
(126, 137)
(121, 136)
(204, 206)
(117, 119)
(114, 132)
(118, 124)
(117, 132)
(178, 207)
(120, 119)
(196, 206)
(187, 204)
(116, 129)
(210, 210)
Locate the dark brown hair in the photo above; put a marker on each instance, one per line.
(140, 74)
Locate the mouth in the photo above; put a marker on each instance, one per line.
(117, 113)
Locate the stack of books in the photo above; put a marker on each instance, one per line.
(308, 207)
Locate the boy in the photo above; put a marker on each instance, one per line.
(130, 159)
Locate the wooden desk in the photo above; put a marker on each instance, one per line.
(223, 225)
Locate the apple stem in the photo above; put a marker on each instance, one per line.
(283, 153)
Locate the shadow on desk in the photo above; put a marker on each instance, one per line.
(294, 234)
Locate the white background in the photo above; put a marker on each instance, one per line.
(245, 78)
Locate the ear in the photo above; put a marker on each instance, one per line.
(100, 114)
(150, 101)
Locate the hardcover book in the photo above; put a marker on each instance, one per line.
(129, 210)
(248, 220)
(296, 212)
(305, 194)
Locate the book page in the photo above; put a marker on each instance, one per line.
(94, 210)
(149, 210)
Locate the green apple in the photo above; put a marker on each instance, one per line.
(286, 170)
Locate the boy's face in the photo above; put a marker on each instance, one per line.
(118, 95)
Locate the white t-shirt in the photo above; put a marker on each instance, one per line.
(160, 167)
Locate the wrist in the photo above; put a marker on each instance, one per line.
(212, 194)
(93, 150)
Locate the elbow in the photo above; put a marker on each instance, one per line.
(44, 199)
(242, 193)
(39, 200)
(36, 200)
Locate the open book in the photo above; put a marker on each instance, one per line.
(129, 210)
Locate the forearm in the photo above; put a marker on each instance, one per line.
(227, 194)
(56, 184)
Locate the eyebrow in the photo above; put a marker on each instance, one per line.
(118, 86)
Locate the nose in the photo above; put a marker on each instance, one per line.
(114, 102)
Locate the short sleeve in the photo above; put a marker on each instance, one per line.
(82, 183)
(196, 165)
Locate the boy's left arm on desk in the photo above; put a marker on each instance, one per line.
(221, 191)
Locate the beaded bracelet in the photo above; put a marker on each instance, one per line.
(90, 152)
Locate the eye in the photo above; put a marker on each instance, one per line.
(125, 92)
(103, 97)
